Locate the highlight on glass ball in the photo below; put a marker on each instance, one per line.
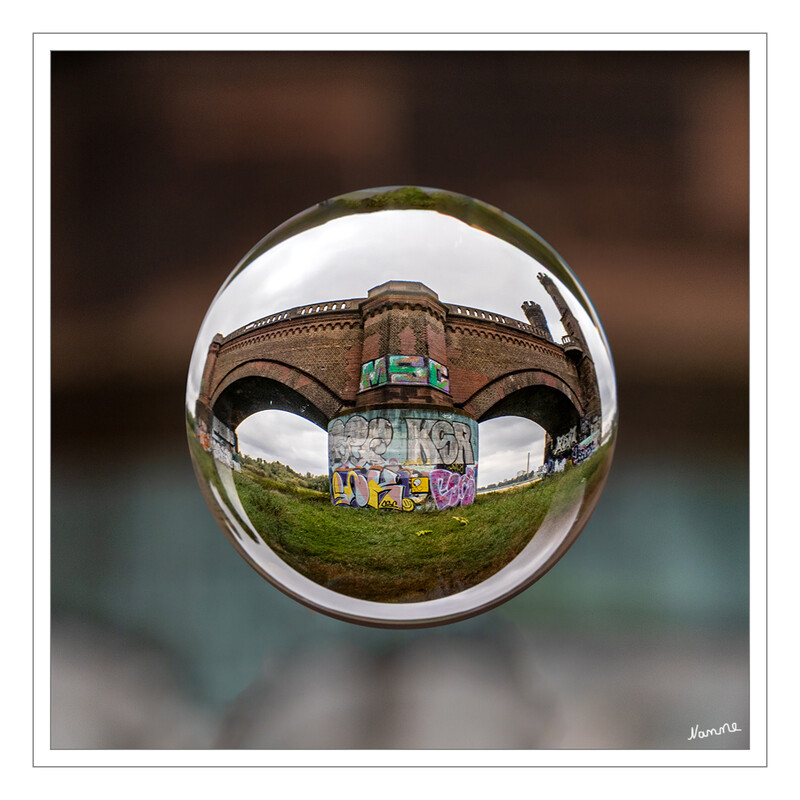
(401, 407)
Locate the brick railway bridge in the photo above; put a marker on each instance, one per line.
(402, 347)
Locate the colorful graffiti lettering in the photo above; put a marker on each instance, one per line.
(402, 489)
(374, 487)
(410, 370)
(420, 484)
(373, 373)
(404, 370)
(438, 376)
(451, 489)
(403, 459)
(203, 437)
(431, 441)
(359, 441)
(582, 451)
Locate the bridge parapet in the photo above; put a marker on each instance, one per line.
(353, 306)
(298, 312)
(474, 314)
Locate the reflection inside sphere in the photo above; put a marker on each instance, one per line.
(388, 403)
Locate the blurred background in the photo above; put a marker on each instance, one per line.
(168, 166)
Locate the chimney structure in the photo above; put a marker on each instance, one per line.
(535, 316)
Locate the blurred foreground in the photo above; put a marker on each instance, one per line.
(164, 638)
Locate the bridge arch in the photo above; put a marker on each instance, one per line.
(261, 385)
(534, 394)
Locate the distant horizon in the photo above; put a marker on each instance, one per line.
(300, 444)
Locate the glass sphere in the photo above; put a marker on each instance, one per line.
(401, 407)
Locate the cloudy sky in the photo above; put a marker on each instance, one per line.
(344, 258)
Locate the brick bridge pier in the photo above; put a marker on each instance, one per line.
(400, 380)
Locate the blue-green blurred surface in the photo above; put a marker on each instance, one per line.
(662, 565)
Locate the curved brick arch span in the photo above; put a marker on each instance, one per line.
(401, 347)
(262, 385)
(534, 394)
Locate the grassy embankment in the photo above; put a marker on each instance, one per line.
(378, 555)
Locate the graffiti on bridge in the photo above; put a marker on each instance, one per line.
(555, 465)
(396, 487)
(221, 443)
(566, 441)
(404, 371)
(403, 459)
(582, 451)
(577, 455)
(451, 489)
(574, 446)
(362, 439)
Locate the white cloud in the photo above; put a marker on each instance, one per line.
(285, 437)
(504, 447)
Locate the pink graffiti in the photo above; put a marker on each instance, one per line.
(451, 489)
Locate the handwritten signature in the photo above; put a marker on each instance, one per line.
(728, 727)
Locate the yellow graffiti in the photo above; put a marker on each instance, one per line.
(420, 484)
(349, 488)
(342, 493)
(374, 490)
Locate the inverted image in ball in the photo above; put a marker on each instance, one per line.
(401, 407)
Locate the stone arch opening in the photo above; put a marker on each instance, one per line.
(283, 436)
(250, 394)
(511, 449)
(535, 395)
(259, 385)
(544, 405)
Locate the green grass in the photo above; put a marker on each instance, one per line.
(394, 556)
(377, 555)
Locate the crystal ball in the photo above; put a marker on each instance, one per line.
(401, 407)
